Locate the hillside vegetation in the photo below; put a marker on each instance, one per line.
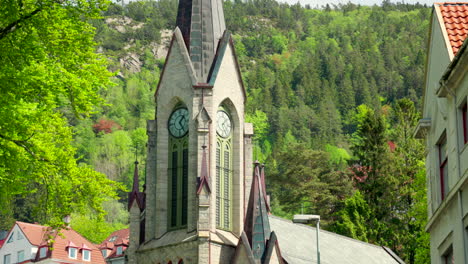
(333, 94)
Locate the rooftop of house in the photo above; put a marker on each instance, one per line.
(117, 238)
(34, 233)
(71, 238)
(298, 245)
(455, 18)
(43, 236)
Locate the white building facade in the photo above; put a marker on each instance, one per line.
(444, 127)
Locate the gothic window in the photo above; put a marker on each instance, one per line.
(178, 168)
(223, 170)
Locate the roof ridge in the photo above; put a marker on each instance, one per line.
(451, 3)
(31, 224)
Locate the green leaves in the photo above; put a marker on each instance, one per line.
(49, 67)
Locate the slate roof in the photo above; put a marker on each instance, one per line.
(298, 246)
(455, 18)
(256, 224)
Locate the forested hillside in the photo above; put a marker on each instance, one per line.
(333, 94)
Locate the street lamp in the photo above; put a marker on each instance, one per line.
(306, 219)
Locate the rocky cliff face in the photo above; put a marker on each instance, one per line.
(129, 44)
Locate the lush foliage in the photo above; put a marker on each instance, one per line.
(49, 71)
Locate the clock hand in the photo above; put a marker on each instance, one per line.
(181, 121)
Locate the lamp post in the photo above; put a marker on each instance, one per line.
(306, 219)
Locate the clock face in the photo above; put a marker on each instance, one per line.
(223, 126)
(178, 122)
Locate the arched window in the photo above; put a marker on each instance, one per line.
(223, 169)
(178, 167)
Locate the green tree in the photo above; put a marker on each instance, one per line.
(305, 182)
(354, 218)
(49, 69)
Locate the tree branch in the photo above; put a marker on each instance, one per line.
(23, 144)
(16, 24)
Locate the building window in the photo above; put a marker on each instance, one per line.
(19, 236)
(20, 256)
(86, 255)
(10, 240)
(119, 250)
(443, 167)
(465, 122)
(42, 252)
(448, 258)
(72, 253)
(104, 252)
(223, 170)
(178, 168)
(7, 259)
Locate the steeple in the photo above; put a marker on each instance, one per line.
(257, 225)
(201, 23)
(135, 194)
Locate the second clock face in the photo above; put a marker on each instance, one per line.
(178, 122)
(223, 125)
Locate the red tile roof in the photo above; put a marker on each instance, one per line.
(117, 238)
(455, 17)
(34, 233)
(37, 235)
(60, 251)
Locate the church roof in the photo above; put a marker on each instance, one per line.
(298, 246)
(201, 23)
(455, 18)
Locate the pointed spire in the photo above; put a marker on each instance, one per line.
(204, 179)
(202, 24)
(135, 194)
(257, 225)
(136, 184)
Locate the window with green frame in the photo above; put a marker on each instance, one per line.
(224, 180)
(178, 182)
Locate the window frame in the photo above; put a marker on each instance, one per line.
(19, 236)
(443, 166)
(42, 252)
(5, 259)
(224, 183)
(83, 253)
(464, 121)
(70, 249)
(119, 248)
(104, 253)
(11, 239)
(448, 254)
(177, 171)
(18, 256)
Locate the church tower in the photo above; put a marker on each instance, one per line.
(199, 162)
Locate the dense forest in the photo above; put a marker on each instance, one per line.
(334, 95)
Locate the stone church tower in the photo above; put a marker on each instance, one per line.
(199, 162)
